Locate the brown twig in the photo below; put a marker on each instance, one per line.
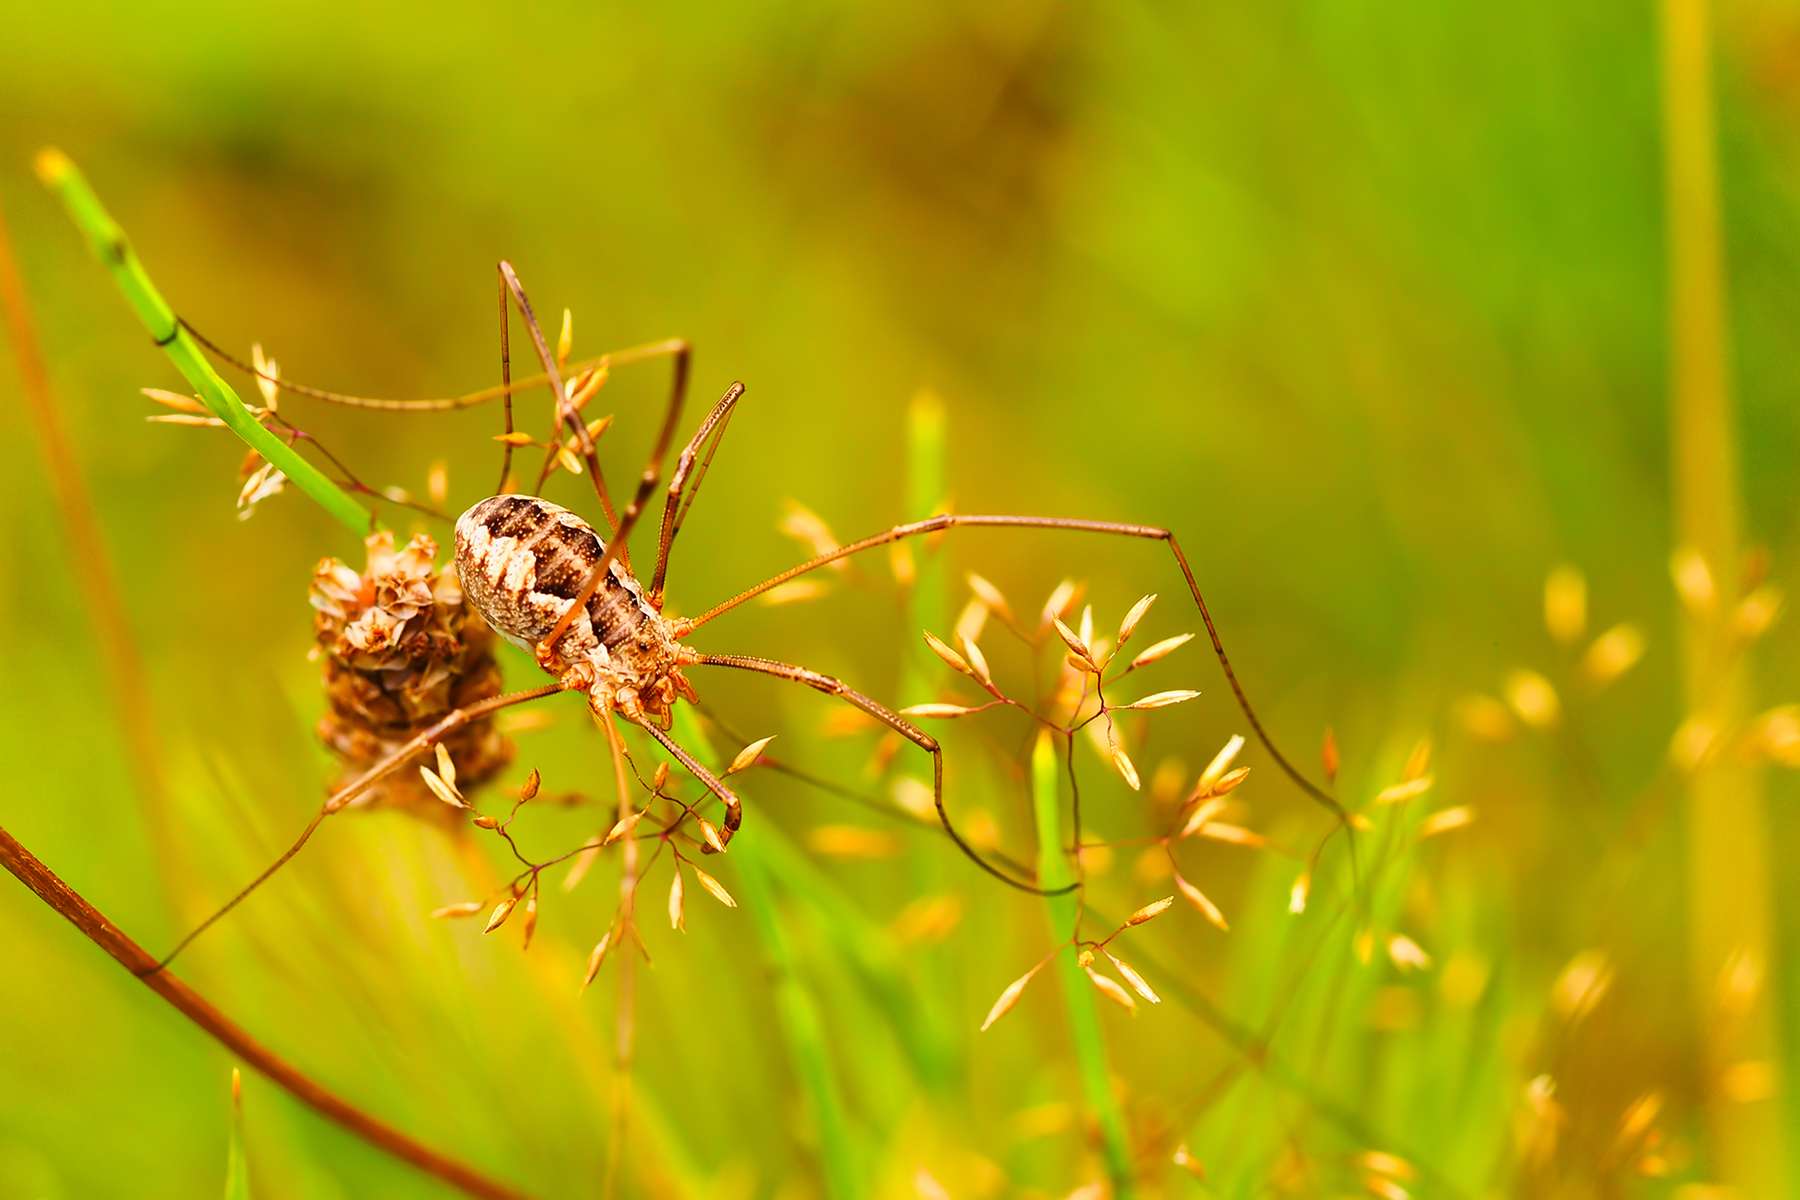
(110, 938)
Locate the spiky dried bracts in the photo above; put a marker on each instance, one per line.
(402, 648)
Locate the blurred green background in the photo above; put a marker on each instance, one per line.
(1367, 302)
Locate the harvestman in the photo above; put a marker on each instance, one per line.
(544, 580)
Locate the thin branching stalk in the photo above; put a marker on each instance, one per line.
(99, 587)
(1728, 854)
(807, 1046)
(134, 958)
(1078, 992)
(110, 245)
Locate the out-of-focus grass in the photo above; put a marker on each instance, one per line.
(1365, 302)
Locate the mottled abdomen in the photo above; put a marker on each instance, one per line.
(522, 562)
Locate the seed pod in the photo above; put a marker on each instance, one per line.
(978, 662)
(660, 778)
(517, 437)
(712, 885)
(709, 833)
(501, 911)
(483, 821)
(1132, 618)
(1164, 699)
(1075, 644)
(465, 908)
(569, 462)
(1112, 991)
(1201, 816)
(565, 341)
(1115, 747)
(947, 654)
(594, 961)
(1010, 996)
(935, 710)
(440, 789)
(1136, 981)
(748, 755)
(1215, 770)
(1198, 899)
(445, 768)
(623, 827)
(529, 789)
(1162, 649)
(990, 595)
(675, 913)
(1149, 911)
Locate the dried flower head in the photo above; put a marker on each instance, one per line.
(402, 649)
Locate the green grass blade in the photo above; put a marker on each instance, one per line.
(1078, 993)
(114, 251)
(237, 1171)
(793, 999)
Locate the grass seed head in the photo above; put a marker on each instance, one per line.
(989, 595)
(515, 439)
(530, 918)
(1185, 1159)
(437, 483)
(1111, 990)
(483, 821)
(936, 710)
(440, 789)
(1077, 646)
(794, 591)
(529, 789)
(1201, 816)
(1297, 894)
(956, 661)
(1162, 649)
(502, 911)
(446, 769)
(1407, 954)
(709, 833)
(595, 959)
(978, 661)
(804, 525)
(1328, 756)
(971, 621)
(1137, 982)
(1115, 748)
(1150, 911)
(1237, 835)
(465, 908)
(1215, 770)
(1061, 599)
(748, 755)
(621, 828)
(1164, 699)
(566, 457)
(1010, 996)
(1130, 623)
(712, 885)
(565, 341)
(676, 920)
(176, 401)
(1198, 899)
(660, 778)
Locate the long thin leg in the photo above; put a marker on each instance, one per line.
(613, 358)
(505, 383)
(959, 520)
(629, 518)
(339, 799)
(734, 809)
(894, 721)
(565, 411)
(676, 505)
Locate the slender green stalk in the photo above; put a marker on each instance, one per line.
(1078, 992)
(110, 245)
(800, 1021)
(1730, 923)
(926, 492)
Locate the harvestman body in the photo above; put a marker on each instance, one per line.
(546, 581)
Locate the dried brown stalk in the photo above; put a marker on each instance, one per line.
(94, 572)
(134, 958)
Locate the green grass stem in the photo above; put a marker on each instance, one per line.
(1078, 992)
(807, 1047)
(114, 251)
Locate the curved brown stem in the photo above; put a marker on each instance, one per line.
(44, 883)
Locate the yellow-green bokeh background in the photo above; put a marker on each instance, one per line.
(1365, 301)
